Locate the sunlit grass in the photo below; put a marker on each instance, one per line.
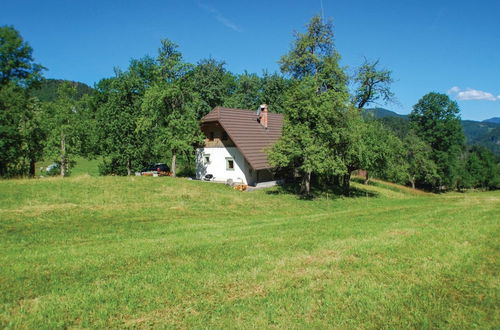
(145, 252)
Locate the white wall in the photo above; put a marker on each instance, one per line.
(217, 167)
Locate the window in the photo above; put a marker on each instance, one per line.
(224, 136)
(229, 164)
(206, 158)
(211, 136)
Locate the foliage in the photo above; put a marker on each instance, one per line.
(310, 51)
(486, 134)
(64, 127)
(384, 153)
(316, 106)
(118, 117)
(47, 89)
(435, 119)
(482, 133)
(247, 92)
(422, 169)
(12, 106)
(16, 59)
(372, 85)
(170, 113)
(480, 170)
(20, 133)
(212, 82)
(274, 90)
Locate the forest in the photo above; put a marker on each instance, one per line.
(150, 112)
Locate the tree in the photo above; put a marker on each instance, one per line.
(18, 72)
(12, 107)
(274, 89)
(16, 59)
(212, 82)
(169, 112)
(435, 119)
(247, 93)
(119, 115)
(382, 153)
(421, 168)
(34, 132)
(316, 106)
(479, 169)
(63, 121)
(310, 50)
(373, 84)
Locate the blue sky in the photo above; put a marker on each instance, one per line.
(443, 46)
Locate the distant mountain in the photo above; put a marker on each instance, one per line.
(485, 133)
(383, 113)
(495, 120)
(48, 89)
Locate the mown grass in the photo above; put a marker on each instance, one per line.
(82, 166)
(146, 252)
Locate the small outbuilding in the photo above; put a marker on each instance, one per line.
(235, 144)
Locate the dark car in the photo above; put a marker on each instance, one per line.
(159, 169)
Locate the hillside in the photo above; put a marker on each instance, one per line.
(485, 133)
(144, 252)
(48, 89)
(494, 120)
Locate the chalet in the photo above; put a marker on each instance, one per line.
(235, 143)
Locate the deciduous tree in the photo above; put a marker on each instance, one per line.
(316, 106)
(63, 122)
(372, 84)
(435, 119)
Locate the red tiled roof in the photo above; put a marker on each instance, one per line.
(248, 135)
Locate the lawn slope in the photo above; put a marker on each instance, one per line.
(145, 252)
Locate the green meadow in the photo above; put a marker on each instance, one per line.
(95, 252)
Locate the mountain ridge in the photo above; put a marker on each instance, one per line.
(485, 133)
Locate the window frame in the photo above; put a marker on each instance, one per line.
(205, 156)
(228, 159)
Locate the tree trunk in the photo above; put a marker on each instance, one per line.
(367, 177)
(412, 183)
(129, 167)
(63, 155)
(32, 167)
(346, 183)
(174, 160)
(305, 187)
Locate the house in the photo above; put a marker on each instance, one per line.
(235, 144)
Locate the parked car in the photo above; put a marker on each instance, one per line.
(52, 169)
(158, 169)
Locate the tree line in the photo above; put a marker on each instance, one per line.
(151, 110)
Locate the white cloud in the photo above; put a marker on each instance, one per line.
(472, 94)
(221, 18)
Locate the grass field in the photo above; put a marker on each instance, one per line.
(146, 252)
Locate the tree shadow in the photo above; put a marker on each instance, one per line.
(324, 192)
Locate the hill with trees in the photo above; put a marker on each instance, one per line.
(485, 133)
(47, 89)
(149, 112)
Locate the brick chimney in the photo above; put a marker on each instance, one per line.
(263, 115)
